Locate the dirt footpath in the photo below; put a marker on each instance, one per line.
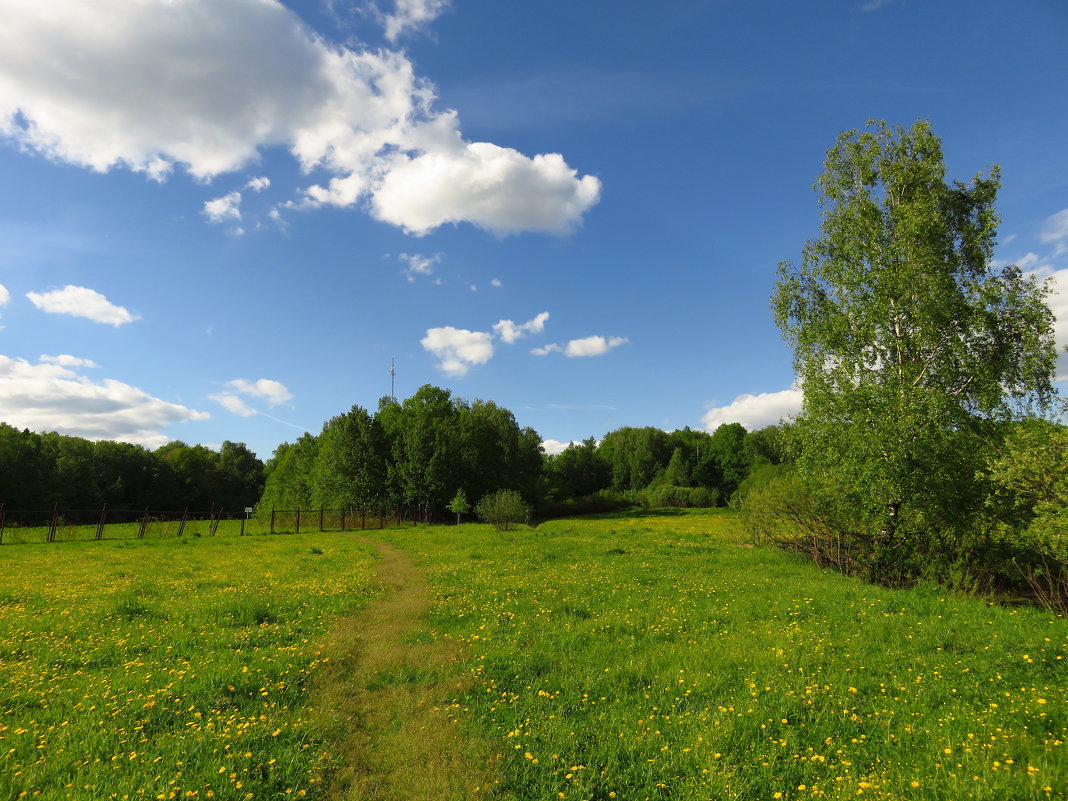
(388, 693)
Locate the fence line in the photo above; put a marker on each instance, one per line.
(68, 525)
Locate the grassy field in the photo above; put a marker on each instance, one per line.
(644, 657)
(660, 657)
(169, 669)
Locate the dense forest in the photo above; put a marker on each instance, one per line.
(418, 453)
(412, 456)
(40, 471)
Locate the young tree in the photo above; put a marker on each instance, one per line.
(459, 505)
(909, 345)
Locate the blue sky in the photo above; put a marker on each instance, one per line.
(221, 219)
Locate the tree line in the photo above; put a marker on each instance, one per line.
(41, 471)
(418, 454)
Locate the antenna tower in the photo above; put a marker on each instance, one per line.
(392, 378)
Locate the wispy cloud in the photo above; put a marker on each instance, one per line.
(267, 390)
(66, 360)
(418, 264)
(79, 301)
(412, 15)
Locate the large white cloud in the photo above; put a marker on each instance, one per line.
(80, 301)
(5, 296)
(495, 188)
(51, 397)
(458, 349)
(755, 411)
(209, 84)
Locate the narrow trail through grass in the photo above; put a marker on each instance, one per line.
(390, 690)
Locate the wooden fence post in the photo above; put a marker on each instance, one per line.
(1, 523)
(215, 524)
(343, 520)
(100, 525)
(55, 523)
(144, 525)
(181, 525)
(320, 519)
(298, 522)
(242, 534)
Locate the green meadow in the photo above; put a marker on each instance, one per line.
(650, 656)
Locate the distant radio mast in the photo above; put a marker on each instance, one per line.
(392, 379)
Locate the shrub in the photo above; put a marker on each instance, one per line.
(600, 502)
(660, 496)
(503, 509)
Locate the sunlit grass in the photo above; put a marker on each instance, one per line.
(169, 669)
(644, 657)
(660, 657)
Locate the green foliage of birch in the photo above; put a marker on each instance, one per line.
(910, 345)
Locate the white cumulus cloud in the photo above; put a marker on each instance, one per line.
(510, 332)
(592, 346)
(223, 209)
(458, 349)
(52, 397)
(546, 349)
(258, 184)
(5, 296)
(1058, 303)
(554, 447)
(209, 85)
(495, 188)
(80, 301)
(755, 411)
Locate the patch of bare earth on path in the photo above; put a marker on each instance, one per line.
(388, 692)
